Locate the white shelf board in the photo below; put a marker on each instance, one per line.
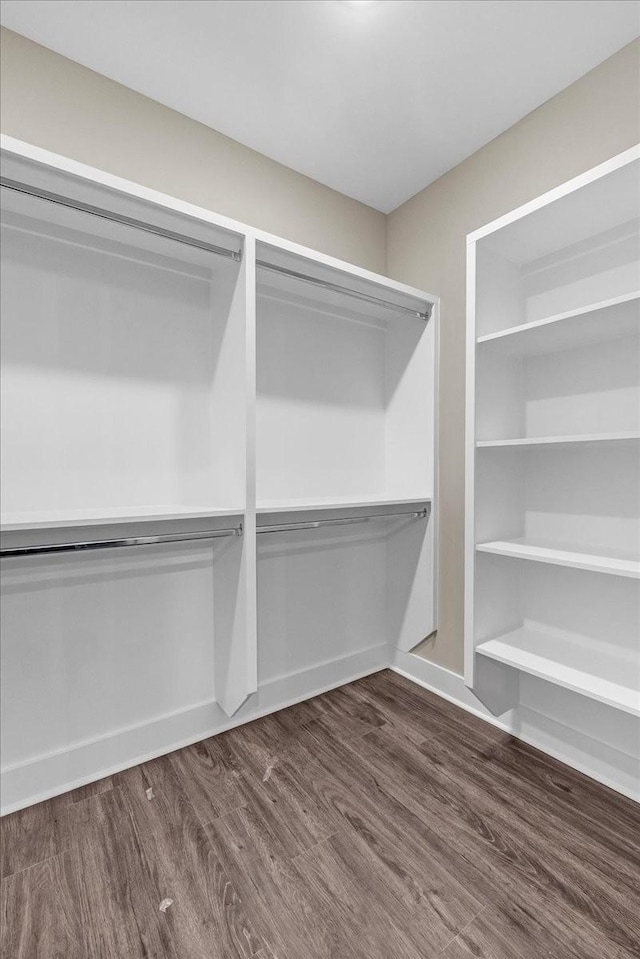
(608, 320)
(603, 673)
(575, 557)
(58, 519)
(335, 502)
(564, 442)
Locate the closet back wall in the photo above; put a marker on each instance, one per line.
(589, 122)
(52, 102)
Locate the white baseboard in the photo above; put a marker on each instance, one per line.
(32, 781)
(617, 768)
(43, 777)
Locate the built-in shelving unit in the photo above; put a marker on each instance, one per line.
(253, 421)
(553, 444)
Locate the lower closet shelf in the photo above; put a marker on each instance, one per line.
(576, 557)
(573, 662)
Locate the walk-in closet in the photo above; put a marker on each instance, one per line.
(319, 479)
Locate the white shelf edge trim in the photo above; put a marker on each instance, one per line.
(335, 502)
(517, 649)
(628, 436)
(559, 317)
(16, 522)
(560, 557)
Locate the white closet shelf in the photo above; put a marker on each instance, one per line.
(564, 442)
(575, 557)
(607, 320)
(335, 502)
(572, 662)
(58, 519)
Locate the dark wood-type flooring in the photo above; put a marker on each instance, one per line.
(373, 822)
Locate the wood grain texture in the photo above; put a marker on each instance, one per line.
(372, 822)
(205, 919)
(31, 835)
(119, 901)
(41, 912)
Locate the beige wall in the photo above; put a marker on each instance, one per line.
(590, 121)
(54, 103)
(57, 104)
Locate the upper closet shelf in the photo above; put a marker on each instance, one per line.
(61, 519)
(576, 557)
(608, 320)
(335, 502)
(563, 442)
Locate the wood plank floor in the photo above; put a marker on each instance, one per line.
(373, 822)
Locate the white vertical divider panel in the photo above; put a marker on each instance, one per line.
(251, 476)
(412, 550)
(470, 470)
(235, 574)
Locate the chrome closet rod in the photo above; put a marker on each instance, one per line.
(183, 537)
(335, 288)
(118, 218)
(345, 521)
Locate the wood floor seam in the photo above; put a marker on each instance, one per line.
(464, 928)
(317, 845)
(10, 875)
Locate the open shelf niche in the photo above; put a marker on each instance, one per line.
(553, 443)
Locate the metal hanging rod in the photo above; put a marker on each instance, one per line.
(335, 288)
(118, 218)
(345, 521)
(117, 543)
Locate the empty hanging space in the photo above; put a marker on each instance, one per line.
(339, 590)
(345, 388)
(122, 362)
(125, 571)
(345, 470)
(111, 655)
